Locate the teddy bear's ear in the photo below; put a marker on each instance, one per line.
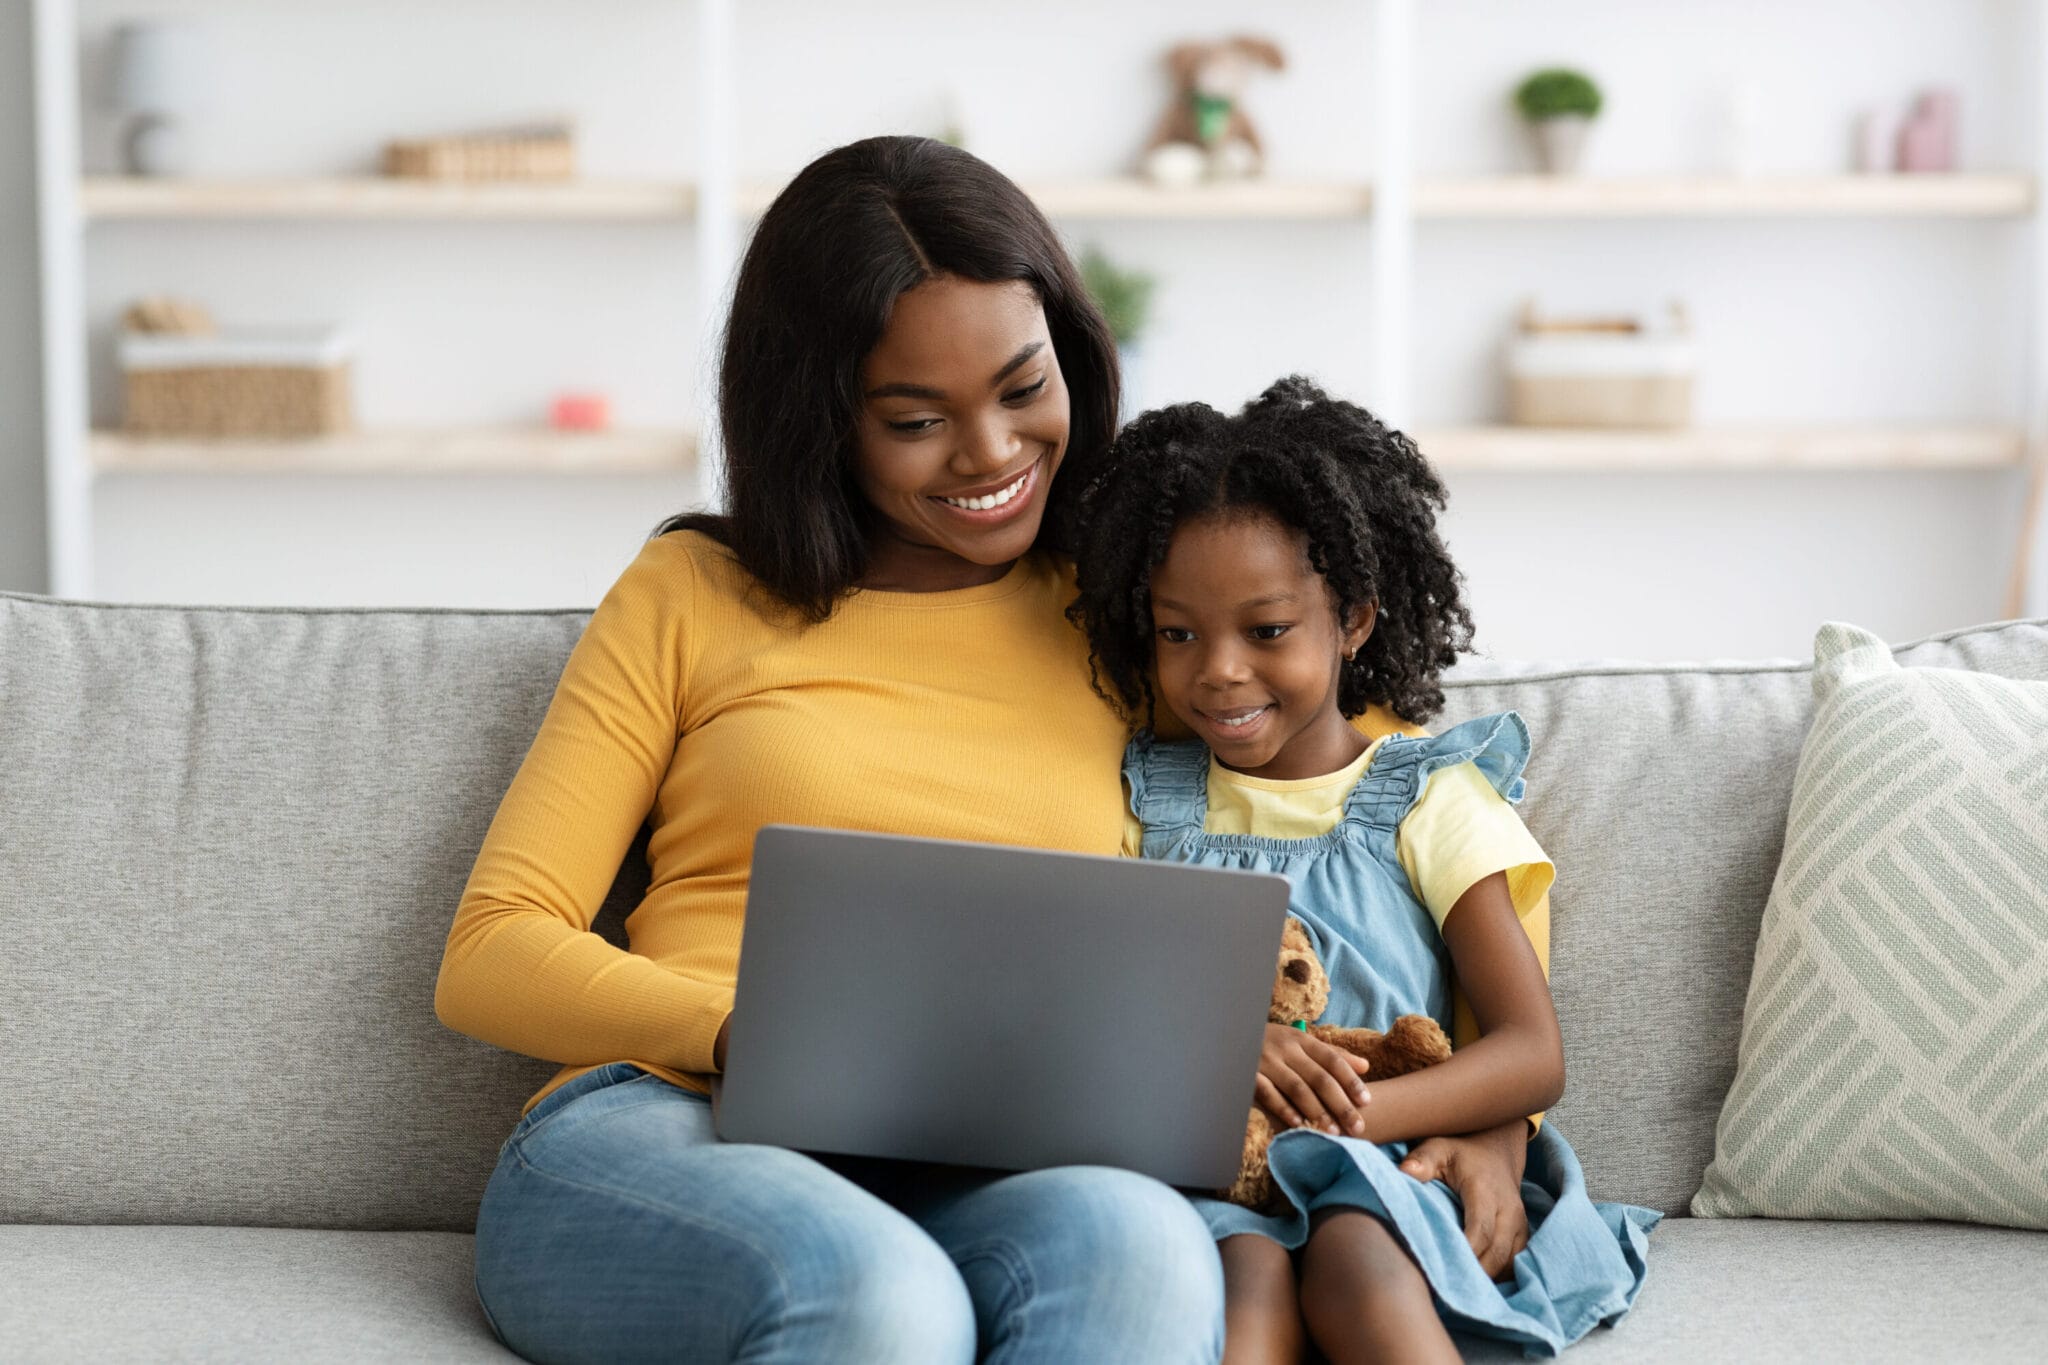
(1261, 50)
(1184, 58)
(1294, 934)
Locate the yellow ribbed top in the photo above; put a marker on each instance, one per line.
(694, 704)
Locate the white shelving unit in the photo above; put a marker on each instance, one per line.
(71, 204)
(1394, 207)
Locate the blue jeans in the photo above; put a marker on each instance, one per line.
(617, 1227)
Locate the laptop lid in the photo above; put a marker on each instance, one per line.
(997, 1006)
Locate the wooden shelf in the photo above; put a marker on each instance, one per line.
(1546, 450)
(382, 197)
(1897, 196)
(1513, 196)
(1129, 197)
(1133, 198)
(501, 450)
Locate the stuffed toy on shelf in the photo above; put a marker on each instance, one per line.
(1205, 134)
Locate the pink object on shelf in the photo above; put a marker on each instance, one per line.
(582, 412)
(1927, 141)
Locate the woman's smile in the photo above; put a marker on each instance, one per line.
(989, 504)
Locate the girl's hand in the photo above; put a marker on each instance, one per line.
(1305, 1082)
(1485, 1170)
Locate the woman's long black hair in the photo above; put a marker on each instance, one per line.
(854, 230)
(1361, 495)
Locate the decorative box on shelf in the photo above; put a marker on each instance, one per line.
(1601, 372)
(546, 152)
(268, 382)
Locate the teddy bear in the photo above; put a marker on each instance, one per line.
(1204, 133)
(1301, 990)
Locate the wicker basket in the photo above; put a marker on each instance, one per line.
(287, 383)
(1595, 380)
(514, 154)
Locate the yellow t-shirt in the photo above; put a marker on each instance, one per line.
(1460, 830)
(695, 706)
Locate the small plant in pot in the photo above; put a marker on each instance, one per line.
(1560, 105)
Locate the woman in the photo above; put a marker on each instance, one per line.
(914, 389)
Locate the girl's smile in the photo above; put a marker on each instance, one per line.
(1248, 648)
(1237, 725)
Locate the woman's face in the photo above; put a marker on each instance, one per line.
(963, 424)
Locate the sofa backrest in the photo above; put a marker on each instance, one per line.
(1661, 791)
(232, 841)
(231, 845)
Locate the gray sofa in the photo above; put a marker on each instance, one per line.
(232, 1129)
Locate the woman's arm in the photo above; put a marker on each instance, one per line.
(1517, 1065)
(521, 968)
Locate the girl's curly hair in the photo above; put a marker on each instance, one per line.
(1360, 494)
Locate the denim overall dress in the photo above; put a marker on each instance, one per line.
(1385, 957)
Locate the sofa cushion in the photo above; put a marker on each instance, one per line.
(1661, 792)
(232, 845)
(1894, 1057)
(92, 1294)
(1867, 1292)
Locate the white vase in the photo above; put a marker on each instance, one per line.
(1560, 142)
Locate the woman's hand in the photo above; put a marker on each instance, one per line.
(1485, 1170)
(1306, 1082)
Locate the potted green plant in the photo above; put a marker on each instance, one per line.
(1559, 105)
(1125, 299)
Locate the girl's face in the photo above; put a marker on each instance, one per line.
(963, 425)
(1248, 648)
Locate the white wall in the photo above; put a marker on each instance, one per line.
(23, 556)
(1843, 321)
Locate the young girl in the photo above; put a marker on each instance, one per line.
(1260, 579)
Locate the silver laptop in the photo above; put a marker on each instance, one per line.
(996, 1006)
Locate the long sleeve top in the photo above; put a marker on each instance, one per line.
(694, 704)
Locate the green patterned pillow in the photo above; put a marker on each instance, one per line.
(1894, 1057)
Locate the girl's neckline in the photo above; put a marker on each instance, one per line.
(1350, 773)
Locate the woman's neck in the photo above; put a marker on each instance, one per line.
(900, 566)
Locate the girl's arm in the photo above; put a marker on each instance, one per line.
(1517, 1066)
